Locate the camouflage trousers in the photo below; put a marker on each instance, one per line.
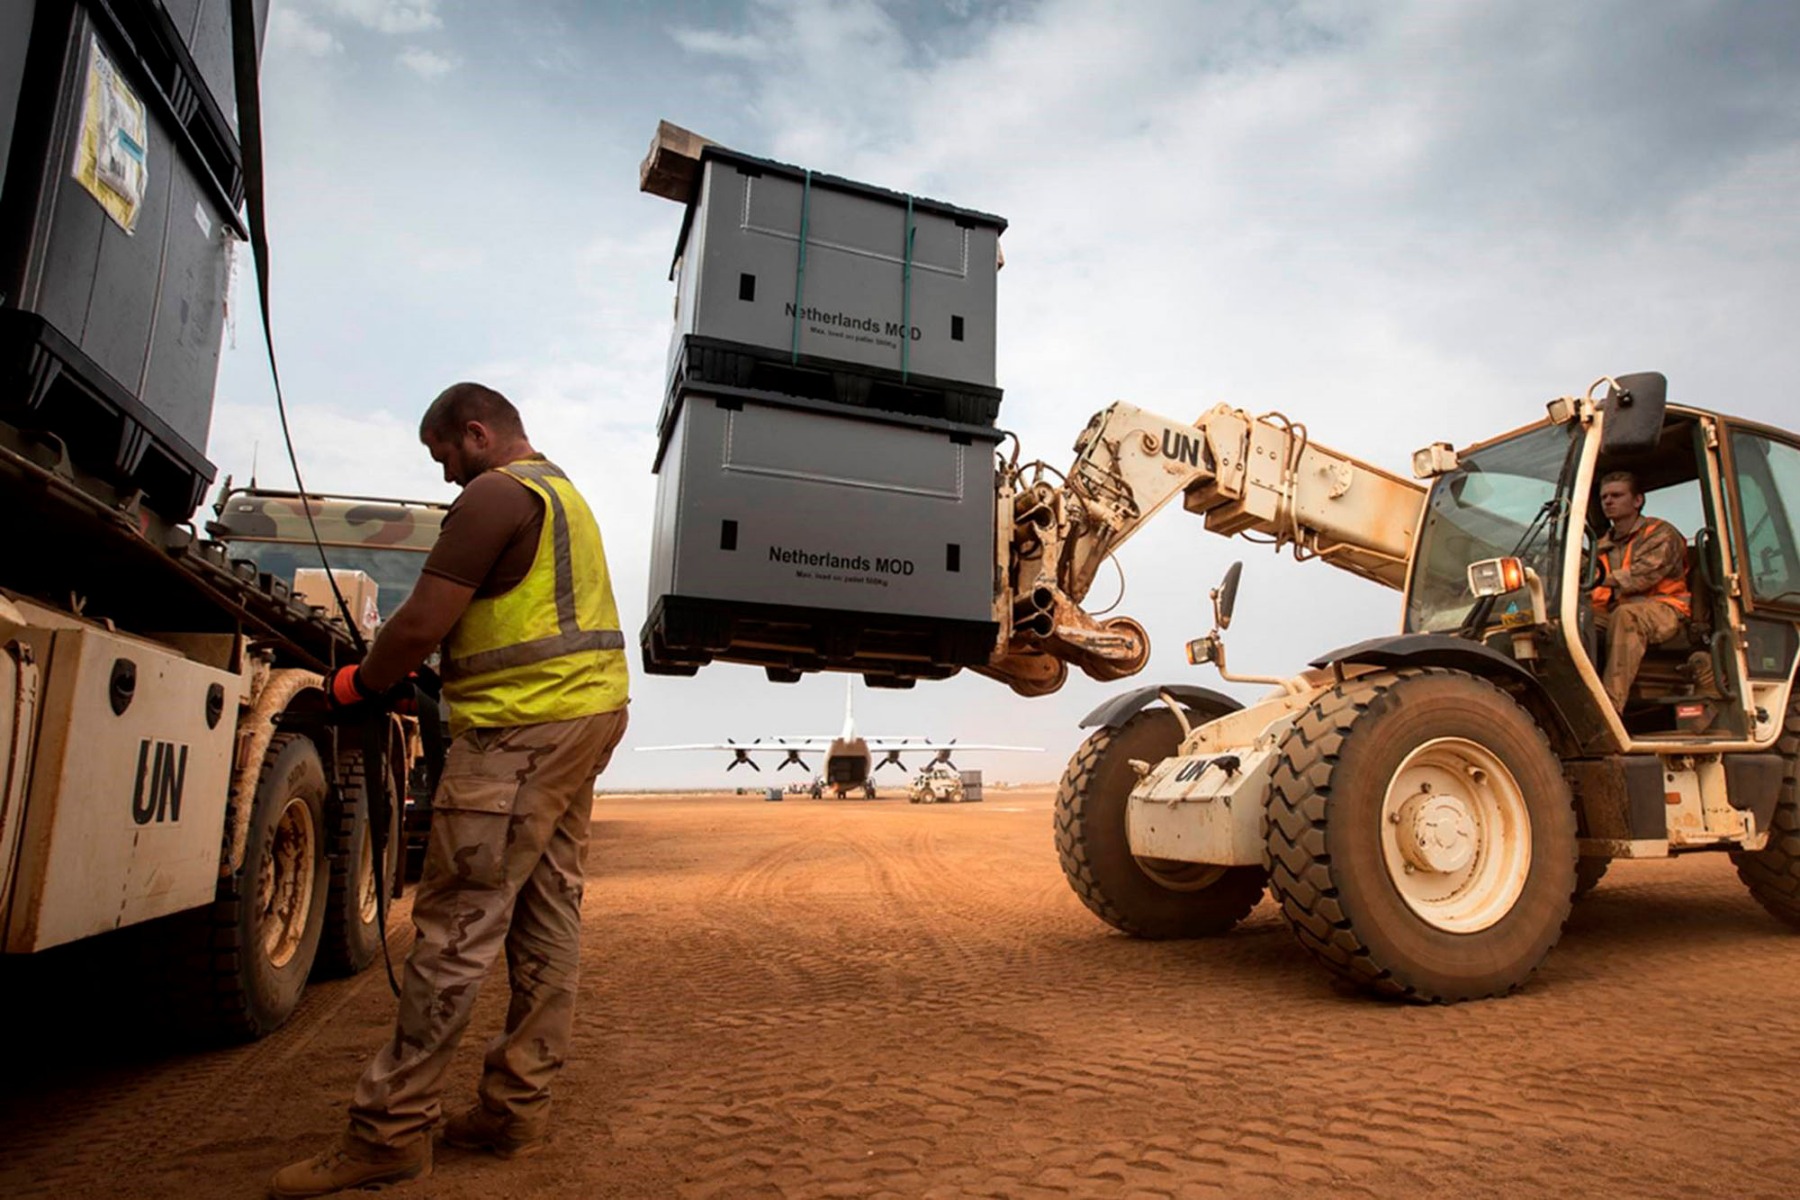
(1631, 629)
(509, 831)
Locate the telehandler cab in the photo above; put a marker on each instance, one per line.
(1425, 806)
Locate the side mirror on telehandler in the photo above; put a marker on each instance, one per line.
(1211, 648)
(1224, 597)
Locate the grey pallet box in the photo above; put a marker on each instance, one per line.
(769, 504)
(139, 315)
(862, 297)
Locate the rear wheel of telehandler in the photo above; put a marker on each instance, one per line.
(1421, 836)
(1773, 873)
(1145, 897)
(262, 933)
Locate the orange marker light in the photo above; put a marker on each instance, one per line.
(1496, 576)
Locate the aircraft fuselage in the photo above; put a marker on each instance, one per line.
(847, 763)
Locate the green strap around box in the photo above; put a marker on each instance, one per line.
(906, 294)
(800, 266)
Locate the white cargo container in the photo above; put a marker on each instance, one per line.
(797, 264)
(802, 536)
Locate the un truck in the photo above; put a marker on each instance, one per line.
(170, 778)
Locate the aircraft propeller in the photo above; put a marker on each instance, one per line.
(793, 757)
(943, 756)
(741, 757)
(893, 756)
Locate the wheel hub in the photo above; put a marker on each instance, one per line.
(1438, 833)
(1456, 835)
(284, 887)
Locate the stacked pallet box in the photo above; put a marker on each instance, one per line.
(121, 180)
(825, 492)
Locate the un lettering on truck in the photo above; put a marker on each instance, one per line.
(126, 803)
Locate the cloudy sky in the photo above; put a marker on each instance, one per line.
(1398, 222)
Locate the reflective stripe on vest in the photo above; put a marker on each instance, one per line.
(1672, 592)
(549, 648)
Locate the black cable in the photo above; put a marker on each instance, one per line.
(249, 98)
(376, 800)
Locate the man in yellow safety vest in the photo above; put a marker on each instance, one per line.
(516, 590)
(1642, 597)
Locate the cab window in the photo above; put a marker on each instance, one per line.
(1768, 492)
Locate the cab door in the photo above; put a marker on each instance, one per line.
(1763, 483)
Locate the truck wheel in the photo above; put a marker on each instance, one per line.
(1145, 897)
(265, 924)
(1588, 873)
(352, 933)
(1773, 873)
(1421, 836)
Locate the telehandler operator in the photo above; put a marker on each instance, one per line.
(1642, 597)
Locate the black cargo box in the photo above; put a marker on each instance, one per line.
(129, 321)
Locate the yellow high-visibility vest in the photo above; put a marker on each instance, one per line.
(550, 648)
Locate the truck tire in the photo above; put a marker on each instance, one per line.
(1147, 898)
(1588, 874)
(1773, 873)
(1421, 836)
(352, 933)
(262, 932)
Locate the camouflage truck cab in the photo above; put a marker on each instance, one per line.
(384, 538)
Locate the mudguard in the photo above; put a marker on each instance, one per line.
(1452, 653)
(1427, 650)
(1116, 711)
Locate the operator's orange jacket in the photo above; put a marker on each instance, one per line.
(1661, 540)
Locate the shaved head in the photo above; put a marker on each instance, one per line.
(461, 403)
(469, 429)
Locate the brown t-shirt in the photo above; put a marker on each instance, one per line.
(490, 535)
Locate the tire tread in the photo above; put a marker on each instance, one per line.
(1300, 875)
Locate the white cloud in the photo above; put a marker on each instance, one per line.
(427, 64)
(389, 16)
(290, 29)
(719, 44)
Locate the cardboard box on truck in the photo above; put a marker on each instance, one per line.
(360, 593)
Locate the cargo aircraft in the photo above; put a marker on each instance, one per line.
(849, 758)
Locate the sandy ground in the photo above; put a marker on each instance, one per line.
(819, 998)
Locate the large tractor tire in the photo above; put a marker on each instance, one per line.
(1773, 873)
(351, 937)
(1421, 836)
(1145, 897)
(261, 935)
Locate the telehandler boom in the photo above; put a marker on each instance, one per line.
(1256, 476)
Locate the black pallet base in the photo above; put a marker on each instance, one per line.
(701, 360)
(683, 634)
(50, 390)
